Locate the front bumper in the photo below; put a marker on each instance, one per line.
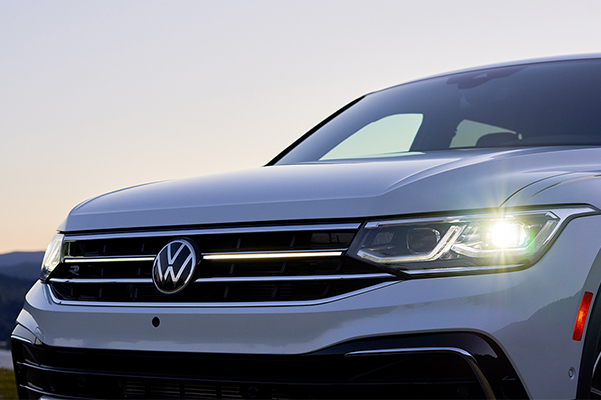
(419, 366)
(526, 317)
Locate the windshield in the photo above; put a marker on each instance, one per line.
(554, 103)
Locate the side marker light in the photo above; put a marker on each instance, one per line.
(582, 313)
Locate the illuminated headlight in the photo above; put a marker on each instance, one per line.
(52, 257)
(468, 243)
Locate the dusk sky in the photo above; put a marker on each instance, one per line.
(99, 95)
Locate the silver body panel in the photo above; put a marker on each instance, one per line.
(440, 182)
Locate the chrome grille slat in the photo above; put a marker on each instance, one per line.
(245, 265)
(215, 231)
(84, 281)
(76, 260)
(257, 255)
(238, 279)
(232, 255)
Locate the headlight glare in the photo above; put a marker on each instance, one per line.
(504, 234)
(52, 257)
(507, 239)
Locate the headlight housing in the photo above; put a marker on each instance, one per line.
(507, 239)
(52, 257)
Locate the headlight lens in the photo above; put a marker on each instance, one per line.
(468, 243)
(52, 257)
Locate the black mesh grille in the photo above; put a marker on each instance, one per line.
(310, 277)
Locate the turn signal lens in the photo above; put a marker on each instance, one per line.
(581, 318)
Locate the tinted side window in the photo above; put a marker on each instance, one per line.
(387, 136)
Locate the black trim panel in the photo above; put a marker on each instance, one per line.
(84, 373)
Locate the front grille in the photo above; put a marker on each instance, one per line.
(269, 264)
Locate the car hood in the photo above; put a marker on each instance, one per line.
(412, 184)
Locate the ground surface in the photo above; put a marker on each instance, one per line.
(8, 390)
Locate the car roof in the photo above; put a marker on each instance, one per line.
(541, 60)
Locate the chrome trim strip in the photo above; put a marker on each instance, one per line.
(467, 356)
(226, 279)
(434, 271)
(412, 221)
(101, 280)
(23, 334)
(294, 278)
(253, 304)
(47, 396)
(44, 397)
(210, 231)
(383, 352)
(74, 260)
(257, 255)
(247, 255)
(21, 339)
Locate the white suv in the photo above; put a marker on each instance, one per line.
(437, 239)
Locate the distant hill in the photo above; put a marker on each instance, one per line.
(20, 257)
(12, 295)
(21, 264)
(18, 272)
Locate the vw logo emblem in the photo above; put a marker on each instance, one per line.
(174, 266)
